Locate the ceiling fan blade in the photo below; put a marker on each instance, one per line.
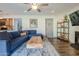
(44, 4)
(29, 9)
(38, 10)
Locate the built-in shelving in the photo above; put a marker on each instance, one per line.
(63, 30)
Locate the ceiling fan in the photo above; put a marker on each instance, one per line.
(36, 6)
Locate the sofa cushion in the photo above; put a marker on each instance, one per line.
(4, 36)
(10, 35)
(31, 31)
(15, 34)
(18, 41)
(23, 33)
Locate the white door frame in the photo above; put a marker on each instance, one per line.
(46, 26)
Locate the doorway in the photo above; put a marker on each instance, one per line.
(49, 27)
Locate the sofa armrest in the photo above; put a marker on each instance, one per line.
(4, 48)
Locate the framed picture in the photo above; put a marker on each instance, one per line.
(33, 23)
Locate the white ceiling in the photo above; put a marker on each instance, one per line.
(19, 8)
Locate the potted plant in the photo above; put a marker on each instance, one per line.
(65, 18)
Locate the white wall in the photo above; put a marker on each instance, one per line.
(41, 22)
(73, 28)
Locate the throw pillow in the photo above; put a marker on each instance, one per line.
(23, 33)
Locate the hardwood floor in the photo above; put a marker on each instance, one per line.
(64, 48)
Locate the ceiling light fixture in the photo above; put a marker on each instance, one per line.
(34, 6)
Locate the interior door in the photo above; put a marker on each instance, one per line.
(49, 27)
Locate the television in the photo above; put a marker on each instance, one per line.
(74, 17)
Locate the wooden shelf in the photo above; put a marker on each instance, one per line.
(62, 27)
(62, 39)
(63, 34)
(62, 22)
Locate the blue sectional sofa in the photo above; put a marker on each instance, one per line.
(10, 41)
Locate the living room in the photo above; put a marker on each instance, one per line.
(21, 17)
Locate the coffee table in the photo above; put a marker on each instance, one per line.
(35, 42)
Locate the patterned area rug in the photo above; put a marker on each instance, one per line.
(47, 50)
